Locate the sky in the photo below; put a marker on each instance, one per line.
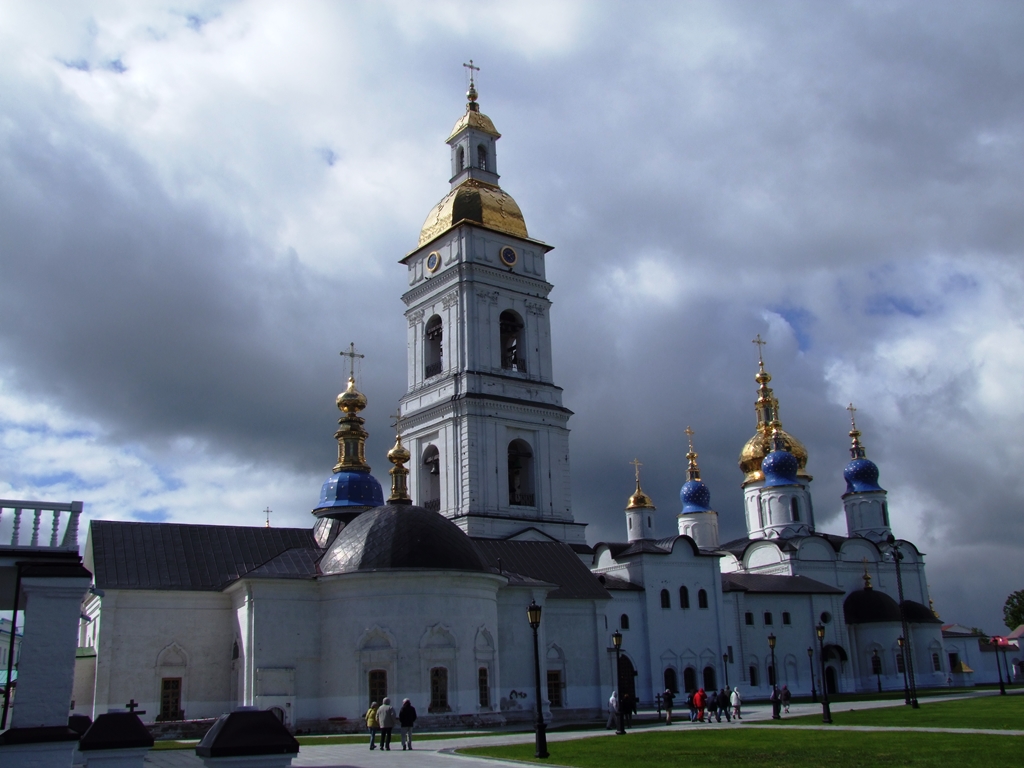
(202, 203)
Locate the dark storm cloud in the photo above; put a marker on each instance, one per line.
(843, 179)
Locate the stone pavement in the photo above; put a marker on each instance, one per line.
(438, 753)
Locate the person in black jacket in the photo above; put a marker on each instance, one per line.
(406, 718)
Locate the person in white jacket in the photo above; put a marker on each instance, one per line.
(737, 701)
(613, 710)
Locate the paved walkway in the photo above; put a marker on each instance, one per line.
(437, 753)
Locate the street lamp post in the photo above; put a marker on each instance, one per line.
(776, 707)
(810, 663)
(725, 666)
(617, 642)
(1002, 687)
(906, 685)
(908, 651)
(533, 614)
(826, 713)
(877, 664)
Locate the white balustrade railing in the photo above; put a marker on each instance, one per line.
(64, 515)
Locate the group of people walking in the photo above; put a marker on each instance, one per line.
(703, 706)
(382, 718)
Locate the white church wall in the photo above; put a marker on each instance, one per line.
(573, 646)
(412, 624)
(515, 648)
(148, 635)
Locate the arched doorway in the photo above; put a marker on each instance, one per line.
(709, 679)
(831, 681)
(690, 679)
(627, 678)
(671, 681)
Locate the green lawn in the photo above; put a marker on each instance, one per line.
(999, 712)
(313, 741)
(765, 747)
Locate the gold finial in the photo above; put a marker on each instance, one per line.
(866, 576)
(931, 604)
(398, 456)
(639, 499)
(766, 406)
(267, 512)
(351, 436)
(760, 343)
(856, 449)
(472, 106)
(692, 470)
(776, 436)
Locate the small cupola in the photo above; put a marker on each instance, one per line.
(639, 511)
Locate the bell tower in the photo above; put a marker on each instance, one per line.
(482, 417)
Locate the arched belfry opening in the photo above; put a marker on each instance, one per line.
(433, 353)
(430, 480)
(513, 357)
(520, 474)
(481, 157)
(460, 160)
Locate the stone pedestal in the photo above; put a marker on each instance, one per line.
(37, 747)
(115, 740)
(248, 737)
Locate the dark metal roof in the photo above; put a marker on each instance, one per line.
(870, 606)
(127, 555)
(918, 613)
(400, 536)
(548, 561)
(619, 549)
(615, 583)
(775, 584)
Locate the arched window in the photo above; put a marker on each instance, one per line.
(768, 618)
(684, 597)
(936, 664)
(702, 599)
(483, 686)
(513, 357)
(460, 159)
(786, 618)
(481, 157)
(671, 682)
(709, 679)
(430, 480)
(794, 509)
(433, 353)
(623, 621)
(748, 617)
(666, 601)
(753, 675)
(690, 679)
(439, 690)
(378, 685)
(876, 663)
(771, 675)
(520, 474)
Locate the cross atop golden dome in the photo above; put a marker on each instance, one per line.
(760, 445)
(639, 499)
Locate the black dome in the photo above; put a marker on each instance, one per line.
(869, 606)
(919, 614)
(400, 536)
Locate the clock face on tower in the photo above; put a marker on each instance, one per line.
(509, 257)
(433, 261)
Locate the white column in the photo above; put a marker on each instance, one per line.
(46, 671)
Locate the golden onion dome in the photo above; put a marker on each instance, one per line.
(760, 445)
(477, 202)
(399, 454)
(477, 120)
(351, 400)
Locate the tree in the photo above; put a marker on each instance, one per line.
(1013, 609)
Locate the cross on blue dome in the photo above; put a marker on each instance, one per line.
(780, 466)
(861, 474)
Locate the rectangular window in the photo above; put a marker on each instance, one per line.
(767, 618)
(748, 617)
(378, 687)
(936, 664)
(730, 654)
(484, 688)
(439, 690)
(170, 699)
(555, 687)
(786, 618)
(876, 665)
(954, 660)
(753, 675)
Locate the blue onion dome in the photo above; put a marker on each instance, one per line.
(351, 488)
(695, 497)
(861, 474)
(780, 466)
(694, 494)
